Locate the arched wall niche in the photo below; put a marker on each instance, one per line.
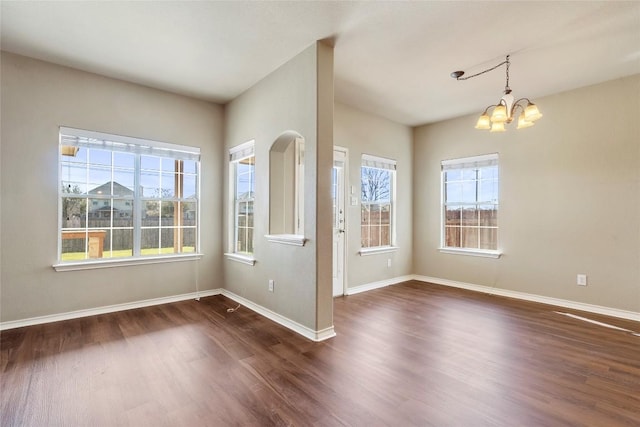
(286, 188)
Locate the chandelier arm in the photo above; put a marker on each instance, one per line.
(523, 99)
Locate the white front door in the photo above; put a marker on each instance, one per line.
(339, 224)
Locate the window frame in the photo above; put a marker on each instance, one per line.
(236, 155)
(72, 140)
(389, 165)
(462, 164)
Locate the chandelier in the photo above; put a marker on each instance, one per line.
(504, 111)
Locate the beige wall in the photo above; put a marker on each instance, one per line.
(362, 133)
(569, 198)
(296, 97)
(37, 97)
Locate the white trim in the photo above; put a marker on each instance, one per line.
(122, 139)
(105, 309)
(287, 239)
(377, 250)
(371, 161)
(470, 162)
(242, 151)
(124, 262)
(244, 259)
(608, 311)
(379, 284)
(306, 332)
(471, 252)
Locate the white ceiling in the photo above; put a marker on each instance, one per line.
(392, 59)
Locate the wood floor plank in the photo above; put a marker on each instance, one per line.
(410, 354)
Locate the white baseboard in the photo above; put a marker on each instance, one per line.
(306, 332)
(105, 309)
(608, 311)
(379, 284)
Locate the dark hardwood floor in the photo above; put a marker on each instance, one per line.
(410, 354)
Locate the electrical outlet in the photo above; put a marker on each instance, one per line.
(271, 285)
(388, 262)
(582, 280)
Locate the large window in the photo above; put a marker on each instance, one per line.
(377, 201)
(470, 203)
(123, 197)
(243, 178)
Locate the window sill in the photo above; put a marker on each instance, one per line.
(124, 262)
(243, 259)
(287, 239)
(377, 250)
(471, 252)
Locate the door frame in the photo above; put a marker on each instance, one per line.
(345, 240)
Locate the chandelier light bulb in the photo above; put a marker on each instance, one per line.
(484, 122)
(523, 122)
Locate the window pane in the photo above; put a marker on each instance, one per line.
(189, 166)
(453, 175)
(385, 235)
(365, 213)
(150, 241)
(123, 182)
(385, 214)
(168, 185)
(150, 211)
(150, 163)
(124, 160)
(469, 174)
(99, 180)
(489, 238)
(121, 244)
(374, 235)
(168, 236)
(189, 186)
(489, 215)
(99, 213)
(488, 191)
(168, 165)
(469, 237)
(469, 216)
(73, 212)
(122, 213)
(452, 237)
(469, 191)
(189, 211)
(74, 176)
(99, 157)
(188, 240)
(80, 157)
(453, 215)
(150, 182)
(375, 184)
(453, 192)
(364, 239)
(167, 216)
(490, 173)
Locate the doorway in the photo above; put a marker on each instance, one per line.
(339, 219)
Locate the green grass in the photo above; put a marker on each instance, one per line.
(79, 256)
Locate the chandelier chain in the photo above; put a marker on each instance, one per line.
(490, 69)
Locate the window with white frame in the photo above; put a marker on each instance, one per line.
(377, 188)
(243, 177)
(470, 203)
(123, 197)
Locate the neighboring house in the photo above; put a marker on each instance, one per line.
(119, 204)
